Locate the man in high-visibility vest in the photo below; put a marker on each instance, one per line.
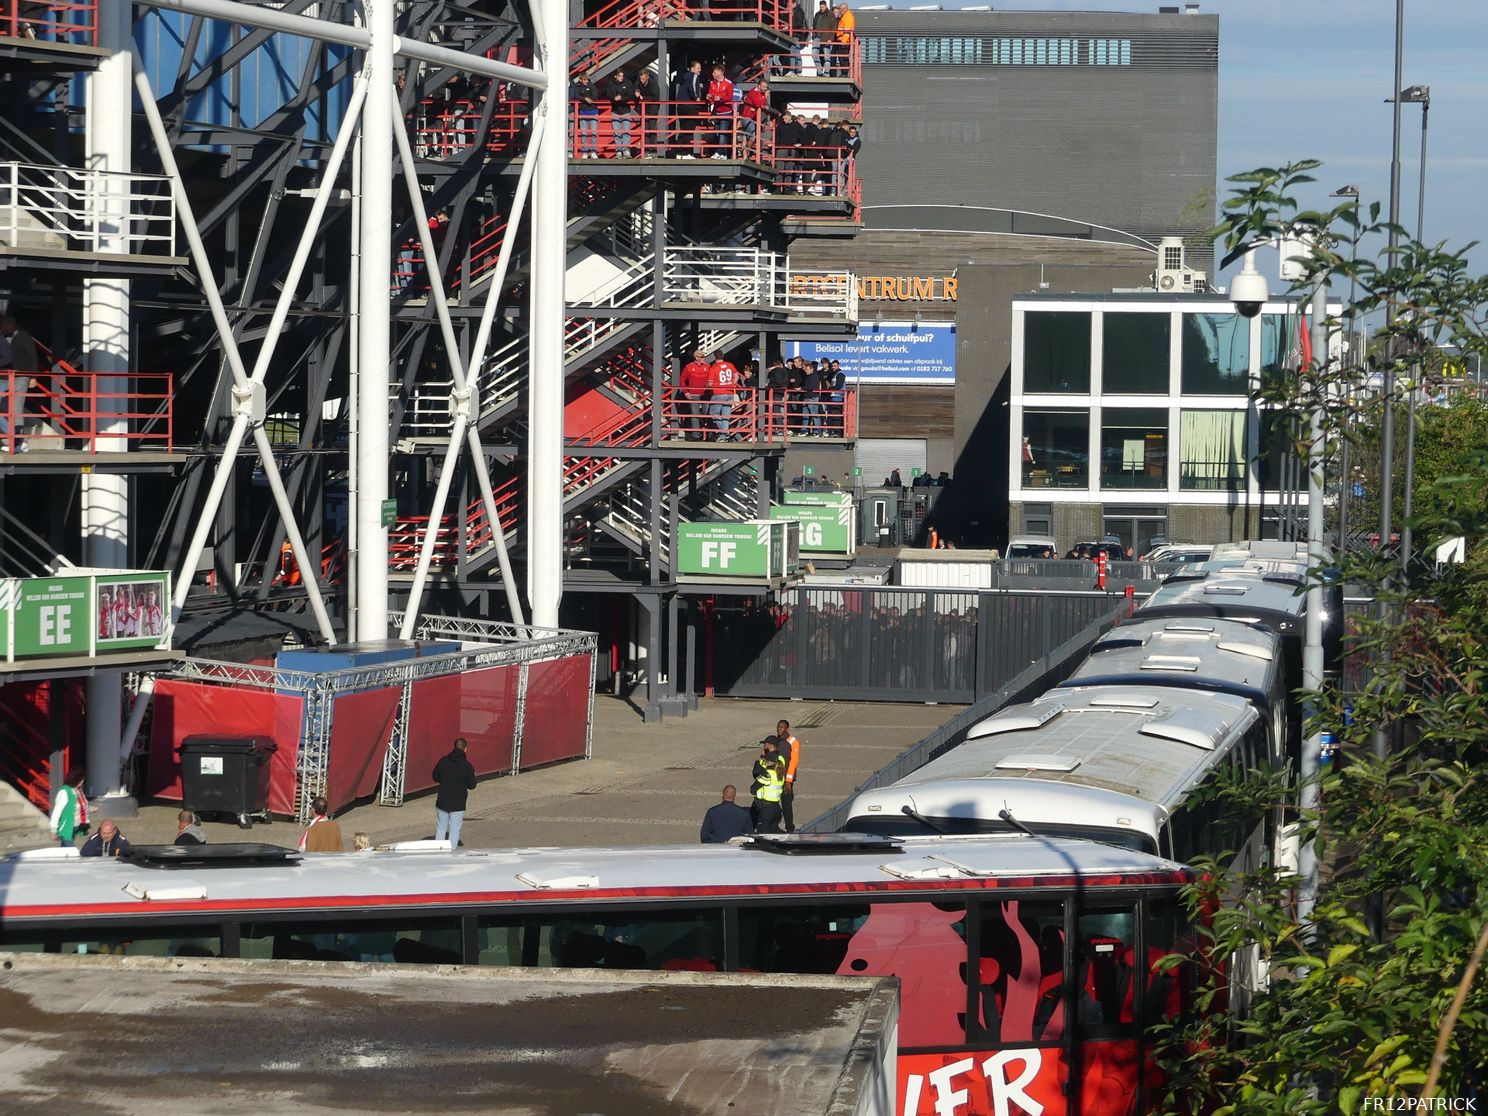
(790, 749)
(767, 796)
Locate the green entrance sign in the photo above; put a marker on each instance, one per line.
(86, 613)
(53, 616)
(821, 498)
(916, 471)
(857, 470)
(824, 530)
(389, 512)
(808, 470)
(750, 549)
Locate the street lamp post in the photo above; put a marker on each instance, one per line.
(1381, 738)
(1415, 95)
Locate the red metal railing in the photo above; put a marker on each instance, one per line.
(760, 415)
(69, 405)
(56, 21)
(593, 54)
(676, 130)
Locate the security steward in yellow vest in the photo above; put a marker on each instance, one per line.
(790, 751)
(769, 752)
(767, 796)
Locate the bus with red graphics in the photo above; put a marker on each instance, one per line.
(1027, 964)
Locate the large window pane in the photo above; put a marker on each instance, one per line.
(1107, 941)
(1216, 354)
(1211, 450)
(1134, 447)
(1056, 449)
(1134, 354)
(1278, 337)
(1056, 351)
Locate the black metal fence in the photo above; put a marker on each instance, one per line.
(887, 644)
(1048, 671)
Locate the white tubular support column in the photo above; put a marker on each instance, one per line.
(374, 326)
(545, 367)
(105, 495)
(1312, 647)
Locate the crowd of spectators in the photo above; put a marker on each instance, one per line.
(717, 400)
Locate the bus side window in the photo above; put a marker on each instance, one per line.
(123, 941)
(644, 939)
(1168, 990)
(923, 944)
(1019, 972)
(407, 941)
(1106, 972)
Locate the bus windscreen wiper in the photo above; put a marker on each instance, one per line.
(911, 812)
(1007, 815)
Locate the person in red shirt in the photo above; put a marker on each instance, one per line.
(755, 109)
(723, 384)
(696, 378)
(721, 107)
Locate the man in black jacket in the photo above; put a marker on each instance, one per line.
(725, 819)
(455, 776)
(787, 140)
(688, 91)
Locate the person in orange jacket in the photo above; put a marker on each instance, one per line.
(791, 748)
(846, 22)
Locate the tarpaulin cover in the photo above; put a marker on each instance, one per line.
(183, 709)
(557, 711)
(361, 726)
(480, 705)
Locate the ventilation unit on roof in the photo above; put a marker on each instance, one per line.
(1173, 276)
(824, 844)
(1038, 763)
(1124, 702)
(1170, 662)
(209, 856)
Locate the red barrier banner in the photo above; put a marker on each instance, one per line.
(481, 706)
(557, 708)
(183, 709)
(361, 726)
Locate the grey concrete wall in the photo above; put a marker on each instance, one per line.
(1129, 146)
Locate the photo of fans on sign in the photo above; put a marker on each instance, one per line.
(889, 352)
(130, 611)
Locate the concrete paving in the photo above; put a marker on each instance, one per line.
(645, 785)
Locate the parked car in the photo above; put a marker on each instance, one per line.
(1032, 546)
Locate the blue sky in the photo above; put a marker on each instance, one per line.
(1308, 78)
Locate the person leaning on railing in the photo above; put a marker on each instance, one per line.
(688, 92)
(581, 95)
(754, 110)
(619, 94)
(646, 102)
(841, 49)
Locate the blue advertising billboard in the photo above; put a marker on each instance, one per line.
(889, 352)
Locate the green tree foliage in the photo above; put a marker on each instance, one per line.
(1350, 1014)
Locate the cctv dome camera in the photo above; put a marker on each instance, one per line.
(1248, 293)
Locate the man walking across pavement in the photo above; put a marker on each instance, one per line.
(725, 819)
(455, 776)
(790, 750)
(322, 834)
(69, 811)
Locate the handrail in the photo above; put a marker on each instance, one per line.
(79, 414)
(65, 208)
(70, 22)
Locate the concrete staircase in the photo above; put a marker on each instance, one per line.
(22, 825)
